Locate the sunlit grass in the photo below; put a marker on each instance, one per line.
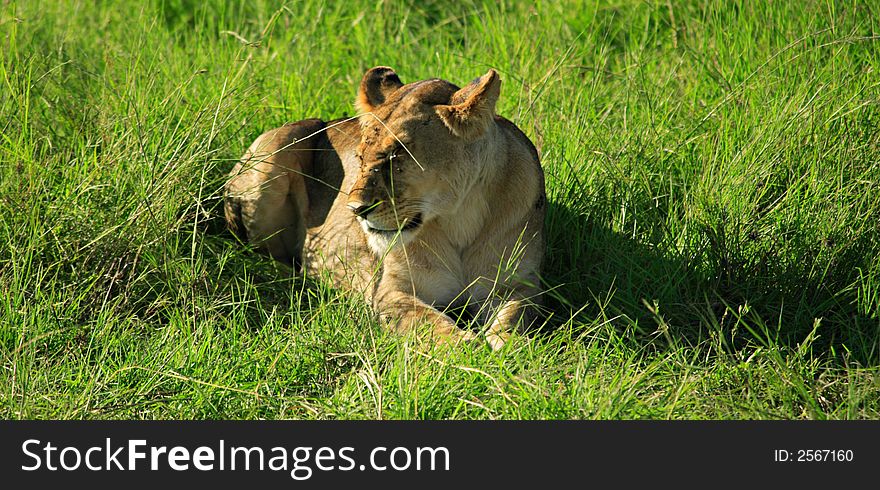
(713, 175)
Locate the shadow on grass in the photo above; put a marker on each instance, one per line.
(600, 273)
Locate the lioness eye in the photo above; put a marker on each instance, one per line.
(394, 154)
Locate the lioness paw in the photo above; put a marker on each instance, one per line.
(452, 335)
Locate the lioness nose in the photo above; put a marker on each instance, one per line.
(359, 208)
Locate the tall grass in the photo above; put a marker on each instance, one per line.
(713, 170)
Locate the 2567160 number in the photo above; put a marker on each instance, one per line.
(813, 455)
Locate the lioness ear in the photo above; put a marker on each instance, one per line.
(378, 83)
(473, 107)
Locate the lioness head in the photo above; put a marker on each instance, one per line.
(420, 151)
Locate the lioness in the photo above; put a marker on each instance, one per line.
(426, 201)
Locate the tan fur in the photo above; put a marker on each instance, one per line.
(428, 200)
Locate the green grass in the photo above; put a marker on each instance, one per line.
(713, 172)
